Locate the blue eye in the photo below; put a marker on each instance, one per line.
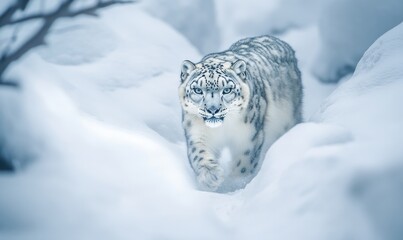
(227, 90)
(197, 90)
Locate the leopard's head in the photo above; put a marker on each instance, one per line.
(213, 89)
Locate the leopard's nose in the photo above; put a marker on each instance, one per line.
(213, 110)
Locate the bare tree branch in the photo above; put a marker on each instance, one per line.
(38, 38)
(9, 84)
(90, 11)
(5, 165)
(8, 14)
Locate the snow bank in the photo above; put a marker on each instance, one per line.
(138, 66)
(288, 14)
(196, 20)
(347, 28)
(339, 177)
(238, 19)
(104, 130)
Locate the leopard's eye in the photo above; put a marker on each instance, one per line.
(227, 90)
(198, 90)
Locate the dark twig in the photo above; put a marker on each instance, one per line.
(38, 38)
(89, 11)
(9, 84)
(7, 15)
(5, 165)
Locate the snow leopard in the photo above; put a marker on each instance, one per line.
(241, 99)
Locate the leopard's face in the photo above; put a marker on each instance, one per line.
(212, 90)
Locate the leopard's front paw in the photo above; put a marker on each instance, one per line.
(210, 177)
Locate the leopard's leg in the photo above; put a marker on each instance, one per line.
(204, 160)
(247, 160)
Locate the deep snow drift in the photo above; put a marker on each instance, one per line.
(347, 28)
(195, 19)
(100, 124)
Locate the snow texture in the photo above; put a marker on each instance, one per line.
(347, 28)
(96, 137)
(257, 17)
(195, 19)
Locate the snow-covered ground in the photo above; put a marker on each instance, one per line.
(95, 132)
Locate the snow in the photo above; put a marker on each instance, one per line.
(257, 17)
(195, 19)
(96, 137)
(347, 28)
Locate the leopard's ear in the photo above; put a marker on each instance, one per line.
(239, 67)
(187, 67)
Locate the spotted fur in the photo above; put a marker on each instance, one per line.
(242, 99)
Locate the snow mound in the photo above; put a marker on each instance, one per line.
(133, 84)
(137, 81)
(345, 168)
(72, 42)
(347, 29)
(196, 20)
(239, 19)
(293, 14)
